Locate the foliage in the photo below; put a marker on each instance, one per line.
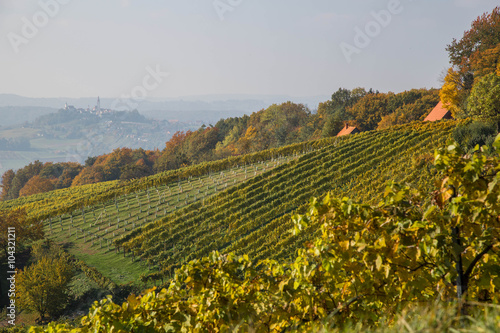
(411, 111)
(42, 287)
(485, 62)
(454, 94)
(60, 175)
(24, 230)
(483, 35)
(389, 109)
(7, 179)
(476, 133)
(473, 57)
(21, 177)
(333, 113)
(484, 101)
(367, 263)
(36, 185)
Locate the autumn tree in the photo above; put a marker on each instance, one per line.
(483, 35)
(333, 112)
(485, 62)
(43, 286)
(89, 175)
(472, 57)
(25, 231)
(137, 170)
(7, 179)
(173, 156)
(409, 106)
(35, 185)
(22, 176)
(368, 111)
(454, 93)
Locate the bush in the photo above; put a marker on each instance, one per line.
(477, 133)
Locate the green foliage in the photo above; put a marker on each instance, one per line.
(476, 133)
(484, 100)
(42, 287)
(367, 263)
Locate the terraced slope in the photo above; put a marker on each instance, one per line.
(241, 204)
(89, 232)
(87, 219)
(254, 217)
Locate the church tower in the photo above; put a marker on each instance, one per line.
(98, 106)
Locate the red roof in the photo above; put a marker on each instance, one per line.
(348, 130)
(439, 112)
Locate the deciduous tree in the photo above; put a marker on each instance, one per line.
(42, 287)
(35, 185)
(484, 100)
(24, 231)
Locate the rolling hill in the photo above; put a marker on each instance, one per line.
(148, 227)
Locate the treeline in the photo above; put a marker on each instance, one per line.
(274, 127)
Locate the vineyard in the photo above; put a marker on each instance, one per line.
(89, 232)
(254, 217)
(146, 228)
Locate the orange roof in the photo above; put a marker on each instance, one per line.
(348, 130)
(439, 112)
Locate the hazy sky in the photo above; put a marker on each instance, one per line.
(293, 47)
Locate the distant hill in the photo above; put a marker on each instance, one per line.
(16, 115)
(71, 136)
(206, 108)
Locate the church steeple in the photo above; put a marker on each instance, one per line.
(98, 106)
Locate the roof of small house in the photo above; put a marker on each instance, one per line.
(348, 130)
(438, 113)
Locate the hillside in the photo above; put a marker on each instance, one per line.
(68, 135)
(254, 218)
(241, 204)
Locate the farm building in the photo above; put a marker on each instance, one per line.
(439, 113)
(348, 130)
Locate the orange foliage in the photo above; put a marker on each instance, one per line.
(36, 185)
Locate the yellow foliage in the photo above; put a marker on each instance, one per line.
(42, 286)
(250, 133)
(452, 94)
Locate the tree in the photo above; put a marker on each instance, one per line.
(24, 230)
(42, 287)
(369, 110)
(480, 133)
(22, 177)
(36, 185)
(483, 35)
(89, 175)
(484, 100)
(485, 62)
(7, 179)
(454, 93)
(138, 170)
